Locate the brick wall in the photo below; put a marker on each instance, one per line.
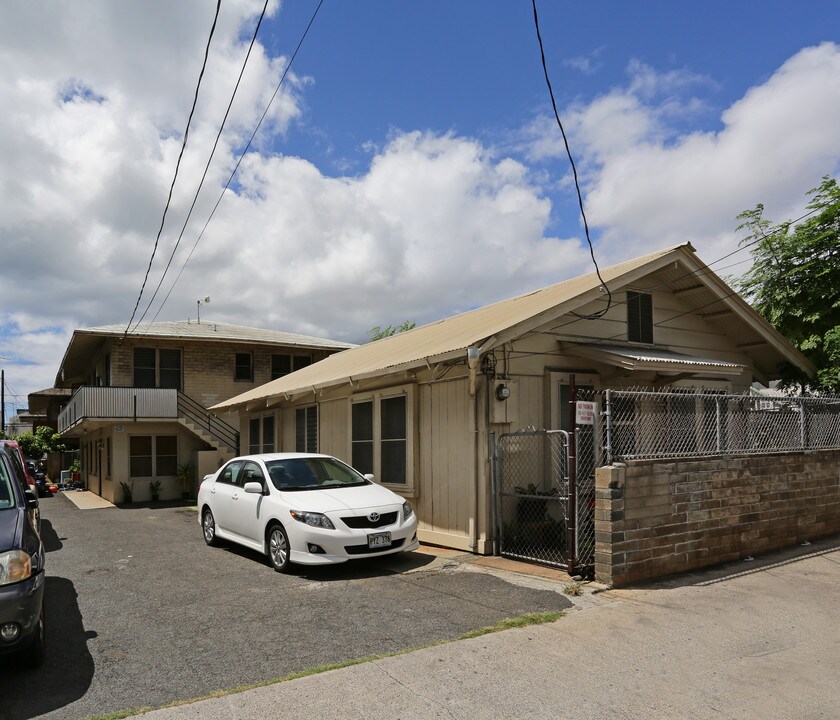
(653, 518)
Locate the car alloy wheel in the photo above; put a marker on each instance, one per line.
(208, 526)
(278, 549)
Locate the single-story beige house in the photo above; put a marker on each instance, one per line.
(420, 409)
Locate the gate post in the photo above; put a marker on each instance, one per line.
(571, 499)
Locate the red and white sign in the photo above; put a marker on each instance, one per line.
(584, 412)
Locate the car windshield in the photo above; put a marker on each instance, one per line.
(312, 474)
(7, 496)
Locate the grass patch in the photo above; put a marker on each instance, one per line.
(526, 620)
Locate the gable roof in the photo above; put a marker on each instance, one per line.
(495, 324)
(83, 340)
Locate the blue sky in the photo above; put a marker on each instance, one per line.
(411, 168)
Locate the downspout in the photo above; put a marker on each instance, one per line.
(472, 365)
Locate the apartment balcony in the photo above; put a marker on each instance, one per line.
(92, 408)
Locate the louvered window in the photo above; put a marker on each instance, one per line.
(639, 317)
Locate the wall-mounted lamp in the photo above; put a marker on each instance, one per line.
(502, 392)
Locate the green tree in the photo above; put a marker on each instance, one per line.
(795, 282)
(43, 440)
(377, 332)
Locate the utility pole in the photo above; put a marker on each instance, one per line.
(3, 401)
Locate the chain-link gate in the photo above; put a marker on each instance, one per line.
(587, 445)
(532, 483)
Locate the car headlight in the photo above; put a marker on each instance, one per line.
(15, 565)
(313, 519)
(408, 511)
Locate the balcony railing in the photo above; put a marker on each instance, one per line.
(119, 403)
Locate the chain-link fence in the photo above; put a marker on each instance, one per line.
(532, 483)
(652, 424)
(588, 456)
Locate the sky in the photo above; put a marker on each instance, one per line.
(410, 166)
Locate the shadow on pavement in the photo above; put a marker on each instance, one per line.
(359, 569)
(739, 568)
(50, 537)
(67, 670)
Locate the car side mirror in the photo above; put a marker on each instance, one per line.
(31, 499)
(370, 476)
(255, 488)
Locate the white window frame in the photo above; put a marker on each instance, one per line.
(410, 488)
(260, 444)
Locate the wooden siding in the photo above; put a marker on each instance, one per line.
(447, 459)
(334, 428)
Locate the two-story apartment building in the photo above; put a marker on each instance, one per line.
(139, 402)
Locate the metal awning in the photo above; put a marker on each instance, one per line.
(653, 359)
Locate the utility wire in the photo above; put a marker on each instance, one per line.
(600, 313)
(177, 166)
(241, 157)
(206, 167)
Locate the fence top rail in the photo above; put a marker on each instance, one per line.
(716, 394)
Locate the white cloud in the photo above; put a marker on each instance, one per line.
(776, 142)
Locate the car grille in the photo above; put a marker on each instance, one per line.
(365, 550)
(358, 522)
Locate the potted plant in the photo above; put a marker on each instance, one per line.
(185, 475)
(154, 487)
(128, 491)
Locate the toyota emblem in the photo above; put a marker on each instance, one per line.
(373, 517)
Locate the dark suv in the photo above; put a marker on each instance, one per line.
(21, 568)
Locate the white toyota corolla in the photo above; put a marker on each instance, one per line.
(303, 508)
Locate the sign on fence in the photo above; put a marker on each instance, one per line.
(584, 412)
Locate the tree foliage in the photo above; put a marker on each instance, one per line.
(795, 282)
(42, 441)
(377, 332)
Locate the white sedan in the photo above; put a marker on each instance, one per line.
(303, 508)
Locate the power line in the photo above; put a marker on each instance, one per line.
(600, 313)
(207, 166)
(241, 157)
(177, 166)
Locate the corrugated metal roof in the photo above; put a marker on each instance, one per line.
(435, 341)
(207, 330)
(654, 356)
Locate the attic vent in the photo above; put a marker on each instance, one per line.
(639, 317)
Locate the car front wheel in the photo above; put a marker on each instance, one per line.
(278, 549)
(208, 527)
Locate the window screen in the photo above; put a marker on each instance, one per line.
(254, 436)
(144, 368)
(170, 369)
(140, 456)
(306, 429)
(244, 369)
(280, 365)
(166, 455)
(268, 434)
(362, 436)
(393, 440)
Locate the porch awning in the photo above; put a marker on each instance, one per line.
(653, 359)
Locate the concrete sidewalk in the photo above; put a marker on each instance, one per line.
(86, 500)
(752, 640)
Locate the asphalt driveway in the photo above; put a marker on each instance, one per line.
(140, 612)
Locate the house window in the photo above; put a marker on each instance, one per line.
(362, 436)
(140, 456)
(244, 368)
(306, 429)
(284, 364)
(380, 437)
(261, 434)
(156, 368)
(639, 317)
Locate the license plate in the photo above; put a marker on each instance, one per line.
(379, 540)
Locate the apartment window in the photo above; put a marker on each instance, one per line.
(268, 434)
(639, 317)
(156, 368)
(284, 364)
(152, 456)
(306, 429)
(166, 455)
(140, 456)
(380, 436)
(244, 367)
(145, 369)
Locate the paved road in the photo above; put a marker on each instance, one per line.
(754, 641)
(140, 612)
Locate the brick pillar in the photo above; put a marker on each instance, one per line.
(609, 523)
